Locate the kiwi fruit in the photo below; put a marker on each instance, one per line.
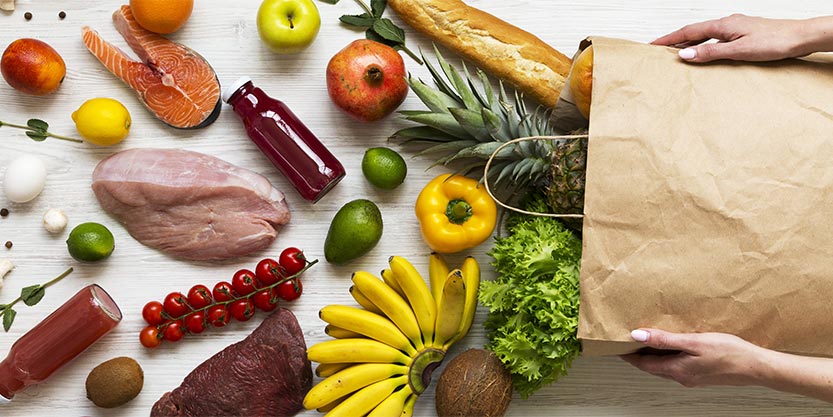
(474, 383)
(115, 382)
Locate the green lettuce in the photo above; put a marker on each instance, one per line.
(533, 303)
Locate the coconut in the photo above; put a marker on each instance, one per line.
(474, 383)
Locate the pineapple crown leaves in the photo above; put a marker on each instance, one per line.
(465, 121)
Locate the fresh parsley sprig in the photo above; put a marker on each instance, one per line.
(379, 29)
(36, 129)
(30, 296)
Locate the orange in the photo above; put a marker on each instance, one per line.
(161, 16)
(581, 80)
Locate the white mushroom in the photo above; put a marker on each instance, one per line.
(54, 220)
(5, 267)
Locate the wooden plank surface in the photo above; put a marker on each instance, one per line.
(225, 34)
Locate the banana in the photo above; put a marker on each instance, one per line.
(451, 305)
(417, 293)
(391, 304)
(350, 380)
(364, 301)
(387, 276)
(471, 273)
(408, 410)
(366, 323)
(393, 405)
(324, 370)
(339, 333)
(328, 407)
(355, 350)
(366, 399)
(437, 273)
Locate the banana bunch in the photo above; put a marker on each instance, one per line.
(382, 353)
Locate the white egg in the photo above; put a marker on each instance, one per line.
(24, 179)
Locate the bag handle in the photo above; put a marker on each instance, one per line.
(513, 141)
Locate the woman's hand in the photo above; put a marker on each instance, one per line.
(697, 359)
(748, 38)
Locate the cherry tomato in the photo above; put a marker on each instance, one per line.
(222, 291)
(292, 260)
(268, 272)
(149, 337)
(176, 305)
(174, 332)
(266, 300)
(218, 315)
(290, 290)
(199, 296)
(152, 313)
(195, 322)
(244, 282)
(242, 310)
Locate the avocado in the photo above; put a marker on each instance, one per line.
(355, 230)
(115, 382)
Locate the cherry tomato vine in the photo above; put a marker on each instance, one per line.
(179, 314)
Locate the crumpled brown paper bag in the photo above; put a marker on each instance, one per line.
(709, 200)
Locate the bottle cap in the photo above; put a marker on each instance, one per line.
(233, 87)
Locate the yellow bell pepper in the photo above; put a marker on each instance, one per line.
(455, 213)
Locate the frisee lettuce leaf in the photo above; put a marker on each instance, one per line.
(533, 303)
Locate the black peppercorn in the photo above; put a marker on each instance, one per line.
(27, 15)
(8, 244)
(62, 14)
(4, 212)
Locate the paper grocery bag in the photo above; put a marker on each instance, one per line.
(709, 200)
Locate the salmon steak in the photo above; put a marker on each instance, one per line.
(175, 83)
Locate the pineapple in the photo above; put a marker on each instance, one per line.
(466, 126)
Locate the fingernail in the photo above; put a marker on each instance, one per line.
(687, 53)
(639, 335)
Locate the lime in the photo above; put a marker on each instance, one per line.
(90, 242)
(384, 168)
(102, 121)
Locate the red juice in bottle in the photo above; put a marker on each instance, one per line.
(285, 140)
(58, 339)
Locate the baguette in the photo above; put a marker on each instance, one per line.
(495, 46)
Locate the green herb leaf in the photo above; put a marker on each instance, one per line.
(36, 136)
(373, 36)
(388, 30)
(31, 295)
(38, 125)
(8, 318)
(378, 7)
(362, 20)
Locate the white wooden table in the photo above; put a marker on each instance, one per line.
(225, 34)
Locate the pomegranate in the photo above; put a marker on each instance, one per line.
(366, 80)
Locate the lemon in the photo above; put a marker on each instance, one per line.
(90, 242)
(384, 168)
(102, 121)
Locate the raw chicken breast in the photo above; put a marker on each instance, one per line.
(190, 205)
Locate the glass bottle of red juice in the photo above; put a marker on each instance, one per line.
(58, 339)
(285, 140)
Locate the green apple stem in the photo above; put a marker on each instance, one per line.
(39, 134)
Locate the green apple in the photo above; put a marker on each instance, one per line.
(288, 26)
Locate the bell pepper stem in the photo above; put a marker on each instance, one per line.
(458, 211)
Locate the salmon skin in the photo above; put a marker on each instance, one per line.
(175, 83)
